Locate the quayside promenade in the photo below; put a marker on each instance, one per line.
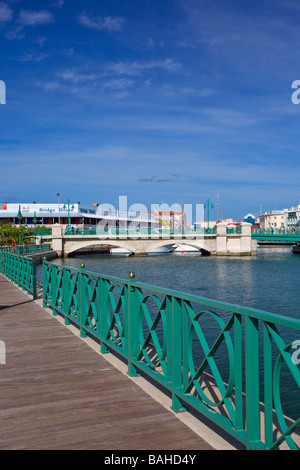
(58, 392)
(67, 347)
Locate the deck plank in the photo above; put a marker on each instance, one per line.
(56, 392)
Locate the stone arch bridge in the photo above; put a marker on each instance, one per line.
(226, 241)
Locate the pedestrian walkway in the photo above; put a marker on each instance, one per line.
(58, 392)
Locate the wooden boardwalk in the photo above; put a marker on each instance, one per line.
(57, 393)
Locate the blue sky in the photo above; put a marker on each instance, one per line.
(170, 101)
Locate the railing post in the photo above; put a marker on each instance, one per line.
(82, 300)
(45, 282)
(133, 325)
(66, 295)
(252, 381)
(268, 387)
(103, 314)
(33, 277)
(54, 288)
(238, 373)
(176, 353)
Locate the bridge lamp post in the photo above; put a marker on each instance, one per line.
(20, 220)
(72, 207)
(58, 195)
(208, 205)
(34, 223)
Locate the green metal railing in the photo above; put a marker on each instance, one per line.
(24, 249)
(234, 230)
(29, 249)
(43, 231)
(19, 269)
(135, 232)
(17, 266)
(276, 234)
(181, 340)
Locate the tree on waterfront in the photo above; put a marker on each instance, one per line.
(10, 234)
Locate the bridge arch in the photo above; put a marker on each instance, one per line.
(140, 246)
(72, 247)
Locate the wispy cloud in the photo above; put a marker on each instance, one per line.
(73, 76)
(118, 84)
(107, 23)
(58, 3)
(151, 44)
(246, 39)
(26, 18)
(71, 80)
(50, 86)
(41, 41)
(155, 179)
(6, 13)
(32, 18)
(33, 57)
(136, 68)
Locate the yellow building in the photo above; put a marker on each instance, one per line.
(274, 219)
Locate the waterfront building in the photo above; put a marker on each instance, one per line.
(77, 214)
(205, 224)
(213, 223)
(274, 219)
(169, 219)
(250, 219)
(280, 219)
(293, 217)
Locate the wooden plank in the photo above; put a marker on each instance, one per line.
(57, 393)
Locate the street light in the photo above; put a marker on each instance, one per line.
(57, 194)
(20, 220)
(34, 223)
(72, 208)
(208, 205)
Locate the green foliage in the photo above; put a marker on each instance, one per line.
(9, 232)
(43, 230)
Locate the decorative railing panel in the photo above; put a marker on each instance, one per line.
(223, 360)
(19, 269)
(237, 230)
(138, 231)
(275, 234)
(25, 249)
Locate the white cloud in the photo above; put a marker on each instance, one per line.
(33, 57)
(119, 84)
(50, 86)
(73, 76)
(32, 18)
(6, 13)
(136, 68)
(108, 23)
(27, 18)
(58, 3)
(41, 40)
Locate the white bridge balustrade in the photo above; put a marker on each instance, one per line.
(225, 241)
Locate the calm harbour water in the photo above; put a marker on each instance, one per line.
(269, 281)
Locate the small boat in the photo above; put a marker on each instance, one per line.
(161, 250)
(189, 250)
(120, 252)
(296, 249)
